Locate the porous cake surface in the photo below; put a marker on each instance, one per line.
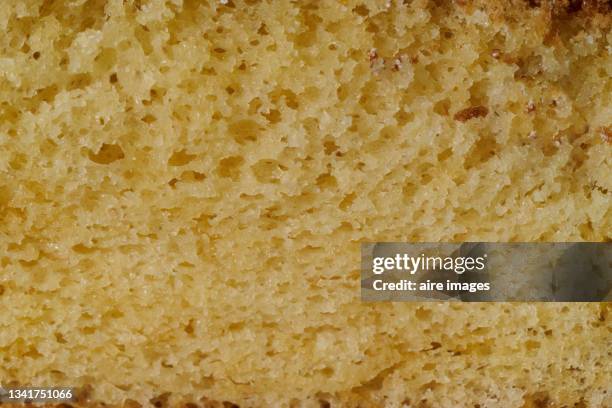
(185, 184)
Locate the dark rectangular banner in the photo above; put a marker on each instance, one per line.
(487, 272)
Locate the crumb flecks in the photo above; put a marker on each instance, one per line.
(372, 56)
(531, 107)
(397, 63)
(470, 113)
(606, 134)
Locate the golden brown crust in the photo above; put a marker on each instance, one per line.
(548, 13)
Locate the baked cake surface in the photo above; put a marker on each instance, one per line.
(185, 184)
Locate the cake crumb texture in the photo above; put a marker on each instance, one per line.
(184, 186)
